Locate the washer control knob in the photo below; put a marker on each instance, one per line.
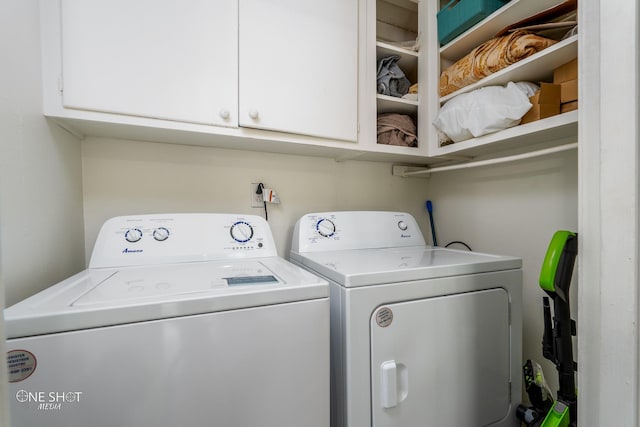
(241, 231)
(133, 235)
(402, 225)
(326, 227)
(161, 234)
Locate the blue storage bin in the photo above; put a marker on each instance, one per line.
(460, 15)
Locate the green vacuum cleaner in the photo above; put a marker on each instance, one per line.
(557, 345)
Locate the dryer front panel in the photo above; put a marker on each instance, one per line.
(441, 361)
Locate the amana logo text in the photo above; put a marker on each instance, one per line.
(131, 251)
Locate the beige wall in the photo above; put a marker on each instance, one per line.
(513, 209)
(130, 177)
(41, 225)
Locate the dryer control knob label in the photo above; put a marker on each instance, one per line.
(384, 317)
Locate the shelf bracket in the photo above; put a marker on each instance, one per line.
(410, 171)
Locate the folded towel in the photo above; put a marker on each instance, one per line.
(397, 129)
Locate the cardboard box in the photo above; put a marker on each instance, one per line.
(546, 103)
(566, 72)
(569, 91)
(568, 106)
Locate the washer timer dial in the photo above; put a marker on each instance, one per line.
(133, 235)
(325, 227)
(241, 231)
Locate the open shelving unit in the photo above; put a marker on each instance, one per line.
(547, 132)
(392, 25)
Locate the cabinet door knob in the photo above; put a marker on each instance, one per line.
(253, 114)
(224, 113)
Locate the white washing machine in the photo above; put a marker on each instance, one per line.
(180, 320)
(420, 335)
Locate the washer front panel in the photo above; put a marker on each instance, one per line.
(187, 371)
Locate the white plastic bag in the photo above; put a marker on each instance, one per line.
(485, 110)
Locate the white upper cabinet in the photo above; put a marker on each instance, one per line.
(287, 76)
(170, 59)
(264, 75)
(299, 66)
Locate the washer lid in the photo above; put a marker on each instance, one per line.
(103, 297)
(364, 267)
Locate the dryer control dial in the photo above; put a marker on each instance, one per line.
(161, 234)
(402, 225)
(325, 227)
(133, 235)
(241, 231)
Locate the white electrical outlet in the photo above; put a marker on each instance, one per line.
(256, 199)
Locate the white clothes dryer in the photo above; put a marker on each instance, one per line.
(180, 320)
(420, 335)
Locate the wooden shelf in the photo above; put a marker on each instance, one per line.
(486, 29)
(392, 104)
(408, 58)
(551, 131)
(536, 68)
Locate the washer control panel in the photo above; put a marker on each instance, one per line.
(165, 238)
(333, 231)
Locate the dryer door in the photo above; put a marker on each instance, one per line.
(441, 361)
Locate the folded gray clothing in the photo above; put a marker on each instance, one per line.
(391, 79)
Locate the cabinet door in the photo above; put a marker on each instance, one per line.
(298, 66)
(165, 59)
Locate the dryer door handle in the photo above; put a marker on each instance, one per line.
(394, 383)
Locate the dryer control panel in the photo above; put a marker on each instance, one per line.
(334, 231)
(169, 238)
